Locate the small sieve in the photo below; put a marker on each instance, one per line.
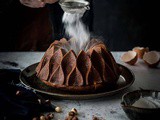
(74, 6)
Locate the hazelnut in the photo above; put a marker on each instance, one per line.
(71, 113)
(39, 101)
(58, 109)
(74, 110)
(47, 101)
(35, 118)
(50, 116)
(42, 117)
(18, 93)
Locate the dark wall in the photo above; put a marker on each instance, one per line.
(123, 24)
(23, 28)
(7, 18)
(127, 23)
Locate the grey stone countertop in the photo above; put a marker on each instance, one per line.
(105, 108)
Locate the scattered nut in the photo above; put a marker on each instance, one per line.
(42, 117)
(58, 109)
(50, 116)
(47, 101)
(71, 113)
(39, 101)
(18, 93)
(74, 110)
(35, 118)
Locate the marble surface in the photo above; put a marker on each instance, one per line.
(105, 108)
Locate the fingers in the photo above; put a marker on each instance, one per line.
(33, 3)
(50, 1)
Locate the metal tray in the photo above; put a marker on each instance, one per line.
(29, 79)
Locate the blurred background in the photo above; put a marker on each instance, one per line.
(123, 24)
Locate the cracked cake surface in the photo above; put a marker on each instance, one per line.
(88, 70)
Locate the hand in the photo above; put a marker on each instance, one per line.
(36, 3)
(33, 3)
(49, 1)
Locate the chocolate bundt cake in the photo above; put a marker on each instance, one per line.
(88, 70)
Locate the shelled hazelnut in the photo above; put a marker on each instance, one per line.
(58, 109)
(18, 92)
(72, 114)
(42, 117)
(49, 116)
(74, 110)
(47, 102)
(35, 118)
(39, 101)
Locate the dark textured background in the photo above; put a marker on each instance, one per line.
(123, 24)
(127, 23)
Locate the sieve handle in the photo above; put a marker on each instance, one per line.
(87, 7)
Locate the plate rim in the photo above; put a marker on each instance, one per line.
(79, 96)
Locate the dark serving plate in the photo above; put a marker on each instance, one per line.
(29, 79)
